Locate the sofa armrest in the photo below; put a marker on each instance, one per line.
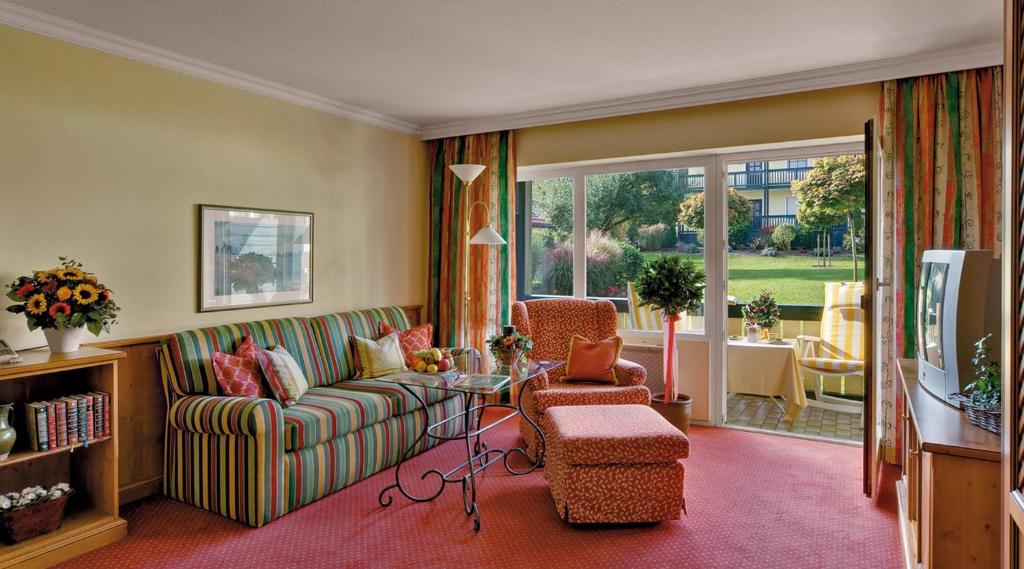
(226, 455)
(471, 352)
(629, 373)
(600, 395)
(216, 415)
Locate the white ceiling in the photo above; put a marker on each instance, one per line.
(430, 63)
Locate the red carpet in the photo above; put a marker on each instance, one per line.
(753, 500)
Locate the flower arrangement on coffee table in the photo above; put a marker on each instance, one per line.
(763, 311)
(64, 298)
(509, 346)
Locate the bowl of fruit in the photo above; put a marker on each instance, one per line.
(434, 360)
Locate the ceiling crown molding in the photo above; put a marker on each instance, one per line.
(73, 32)
(838, 76)
(828, 77)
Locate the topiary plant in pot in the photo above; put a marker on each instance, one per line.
(673, 286)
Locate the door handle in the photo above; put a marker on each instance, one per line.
(880, 283)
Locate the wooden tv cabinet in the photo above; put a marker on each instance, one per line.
(949, 495)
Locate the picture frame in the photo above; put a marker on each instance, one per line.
(252, 257)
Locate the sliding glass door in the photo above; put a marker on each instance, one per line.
(791, 240)
(589, 229)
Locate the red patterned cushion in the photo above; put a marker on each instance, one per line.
(412, 340)
(614, 434)
(239, 375)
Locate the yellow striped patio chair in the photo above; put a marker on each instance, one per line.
(641, 317)
(647, 318)
(839, 351)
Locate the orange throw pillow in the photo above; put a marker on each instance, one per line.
(592, 361)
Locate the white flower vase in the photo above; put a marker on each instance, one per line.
(63, 341)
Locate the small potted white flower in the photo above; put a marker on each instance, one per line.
(32, 512)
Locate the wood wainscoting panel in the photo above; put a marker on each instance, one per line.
(142, 416)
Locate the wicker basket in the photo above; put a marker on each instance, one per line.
(988, 419)
(44, 517)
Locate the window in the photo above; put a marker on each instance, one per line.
(799, 163)
(547, 263)
(630, 218)
(758, 205)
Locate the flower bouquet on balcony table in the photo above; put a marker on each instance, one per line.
(33, 511)
(62, 301)
(509, 346)
(763, 311)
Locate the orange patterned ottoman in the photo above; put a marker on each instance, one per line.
(614, 464)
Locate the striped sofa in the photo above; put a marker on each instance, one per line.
(252, 461)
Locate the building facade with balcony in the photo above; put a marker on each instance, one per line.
(767, 185)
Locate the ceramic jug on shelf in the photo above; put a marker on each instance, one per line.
(7, 434)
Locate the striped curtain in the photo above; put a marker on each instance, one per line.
(941, 178)
(491, 269)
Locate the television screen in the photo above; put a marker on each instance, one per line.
(930, 302)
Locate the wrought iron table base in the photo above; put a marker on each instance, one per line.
(478, 456)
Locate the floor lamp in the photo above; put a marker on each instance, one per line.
(466, 173)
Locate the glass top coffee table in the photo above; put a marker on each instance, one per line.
(473, 388)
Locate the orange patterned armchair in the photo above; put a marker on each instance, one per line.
(550, 323)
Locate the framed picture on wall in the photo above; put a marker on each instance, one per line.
(254, 257)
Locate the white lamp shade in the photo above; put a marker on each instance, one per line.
(487, 236)
(467, 172)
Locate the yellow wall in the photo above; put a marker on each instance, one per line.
(801, 116)
(104, 159)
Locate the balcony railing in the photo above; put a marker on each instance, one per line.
(755, 179)
(759, 222)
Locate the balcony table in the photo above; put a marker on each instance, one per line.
(771, 370)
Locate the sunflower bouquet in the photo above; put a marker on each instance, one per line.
(62, 298)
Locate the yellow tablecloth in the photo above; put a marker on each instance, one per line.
(761, 368)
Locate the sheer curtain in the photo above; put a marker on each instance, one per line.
(492, 269)
(941, 180)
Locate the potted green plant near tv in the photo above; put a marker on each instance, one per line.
(673, 286)
(981, 399)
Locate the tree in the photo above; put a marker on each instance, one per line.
(613, 200)
(833, 191)
(552, 200)
(741, 211)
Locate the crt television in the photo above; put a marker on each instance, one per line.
(957, 304)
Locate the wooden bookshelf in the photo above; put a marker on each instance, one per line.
(23, 455)
(92, 519)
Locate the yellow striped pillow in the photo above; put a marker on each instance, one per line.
(376, 358)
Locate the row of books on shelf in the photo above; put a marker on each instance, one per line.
(68, 420)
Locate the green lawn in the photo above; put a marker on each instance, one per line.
(794, 279)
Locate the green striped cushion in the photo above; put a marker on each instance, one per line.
(332, 333)
(191, 351)
(324, 413)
